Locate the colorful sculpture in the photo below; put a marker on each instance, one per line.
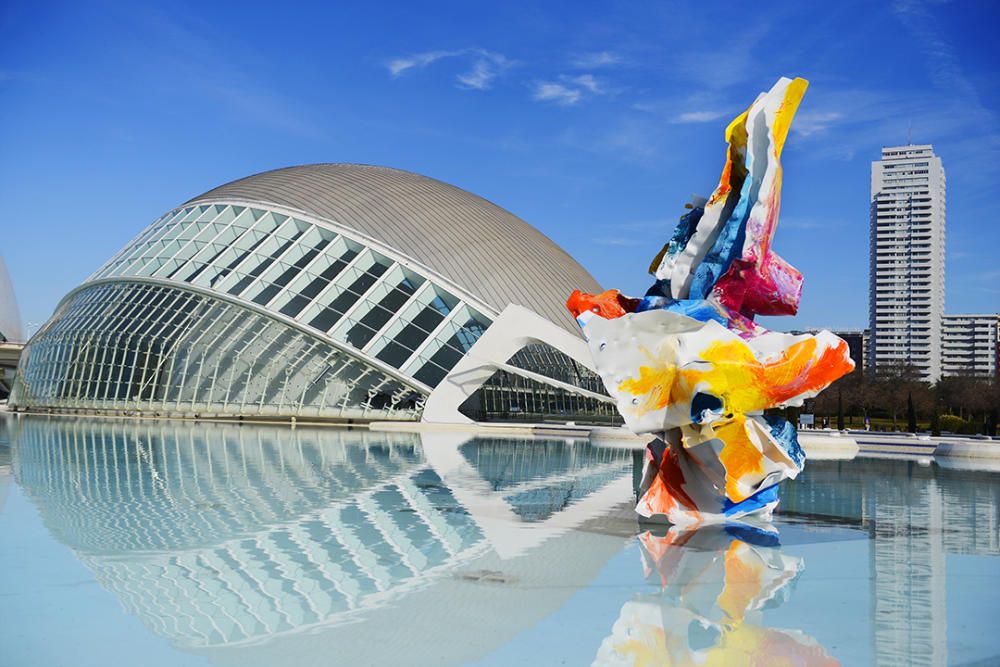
(688, 363)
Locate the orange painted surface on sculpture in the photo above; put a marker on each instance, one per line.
(666, 492)
(609, 305)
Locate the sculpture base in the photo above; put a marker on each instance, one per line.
(688, 484)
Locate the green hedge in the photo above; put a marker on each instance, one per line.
(959, 425)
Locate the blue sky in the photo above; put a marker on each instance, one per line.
(594, 122)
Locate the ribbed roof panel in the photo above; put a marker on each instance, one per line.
(479, 246)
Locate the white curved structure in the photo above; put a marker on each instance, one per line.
(10, 318)
(331, 291)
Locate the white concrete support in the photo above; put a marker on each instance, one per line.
(515, 328)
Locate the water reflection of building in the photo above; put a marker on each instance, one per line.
(219, 538)
(5, 457)
(915, 520)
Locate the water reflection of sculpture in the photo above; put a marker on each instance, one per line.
(688, 363)
(223, 538)
(714, 582)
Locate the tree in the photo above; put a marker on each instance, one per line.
(898, 382)
(911, 414)
(840, 408)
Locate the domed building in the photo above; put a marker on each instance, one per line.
(331, 291)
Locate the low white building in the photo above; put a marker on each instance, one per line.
(969, 344)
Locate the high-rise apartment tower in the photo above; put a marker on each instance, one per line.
(906, 289)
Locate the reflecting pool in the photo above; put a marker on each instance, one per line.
(165, 543)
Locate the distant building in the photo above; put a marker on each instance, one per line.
(907, 242)
(11, 333)
(857, 342)
(970, 345)
(10, 319)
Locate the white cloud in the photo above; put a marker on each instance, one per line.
(479, 77)
(699, 116)
(549, 91)
(596, 59)
(419, 60)
(815, 121)
(484, 70)
(586, 81)
(568, 90)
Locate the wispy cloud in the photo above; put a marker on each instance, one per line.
(596, 59)
(549, 91)
(397, 66)
(631, 138)
(585, 81)
(841, 122)
(943, 63)
(726, 63)
(486, 65)
(205, 67)
(569, 89)
(812, 122)
(486, 68)
(988, 276)
(698, 116)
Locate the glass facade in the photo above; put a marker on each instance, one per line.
(507, 396)
(230, 309)
(157, 349)
(308, 273)
(222, 309)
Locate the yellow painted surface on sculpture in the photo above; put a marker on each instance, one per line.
(656, 383)
(647, 648)
(740, 457)
(743, 581)
(736, 376)
(747, 385)
(786, 112)
(735, 171)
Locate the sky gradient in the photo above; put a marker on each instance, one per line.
(594, 122)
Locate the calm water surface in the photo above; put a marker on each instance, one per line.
(160, 543)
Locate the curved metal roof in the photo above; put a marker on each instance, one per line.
(479, 246)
